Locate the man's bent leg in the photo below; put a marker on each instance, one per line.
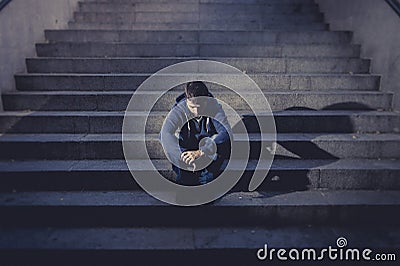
(186, 178)
(212, 171)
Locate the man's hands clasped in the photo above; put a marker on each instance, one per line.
(189, 157)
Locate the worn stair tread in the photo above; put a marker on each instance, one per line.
(196, 26)
(109, 146)
(71, 44)
(115, 137)
(142, 165)
(96, 49)
(144, 65)
(290, 29)
(202, 24)
(294, 113)
(112, 100)
(141, 198)
(194, 31)
(283, 175)
(216, 93)
(199, 1)
(213, 3)
(136, 59)
(266, 81)
(313, 19)
(184, 58)
(191, 17)
(188, 44)
(202, 13)
(179, 74)
(300, 121)
(160, 59)
(140, 5)
(200, 31)
(137, 208)
(192, 238)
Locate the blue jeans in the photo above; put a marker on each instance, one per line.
(206, 175)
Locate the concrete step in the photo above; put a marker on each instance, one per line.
(123, 17)
(219, 238)
(216, 37)
(183, 246)
(122, 7)
(95, 49)
(262, 7)
(127, 18)
(109, 146)
(131, 81)
(288, 121)
(249, 1)
(136, 208)
(284, 175)
(204, 1)
(262, 12)
(118, 100)
(152, 65)
(233, 26)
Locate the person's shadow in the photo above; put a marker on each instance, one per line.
(299, 170)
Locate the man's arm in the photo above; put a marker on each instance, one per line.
(222, 127)
(168, 138)
(218, 144)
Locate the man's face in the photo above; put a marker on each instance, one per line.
(196, 106)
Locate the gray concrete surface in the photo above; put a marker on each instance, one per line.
(193, 50)
(210, 37)
(127, 82)
(199, 246)
(108, 146)
(118, 100)
(136, 208)
(21, 25)
(293, 174)
(376, 26)
(287, 121)
(152, 65)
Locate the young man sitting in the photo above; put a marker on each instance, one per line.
(203, 134)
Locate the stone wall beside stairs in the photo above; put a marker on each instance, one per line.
(376, 26)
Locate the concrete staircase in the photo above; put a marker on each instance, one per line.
(67, 195)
